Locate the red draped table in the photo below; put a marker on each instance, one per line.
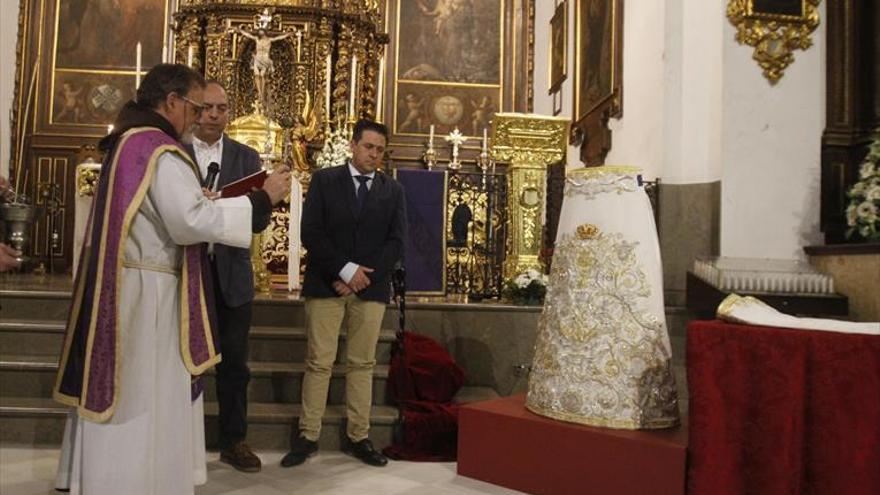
(782, 411)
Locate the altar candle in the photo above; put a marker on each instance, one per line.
(381, 87)
(228, 23)
(328, 85)
(110, 129)
(189, 55)
(137, 67)
(351, 96)
(485, 140)
(431, 136)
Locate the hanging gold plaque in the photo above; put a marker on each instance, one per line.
(775, 28)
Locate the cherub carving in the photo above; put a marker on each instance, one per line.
(70, 102)
(415, 119)
(481, 113)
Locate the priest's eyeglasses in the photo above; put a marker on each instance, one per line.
(200, 107)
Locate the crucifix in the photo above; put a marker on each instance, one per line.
(456, 138)
(262, 63)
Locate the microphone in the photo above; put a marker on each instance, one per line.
(211, 178)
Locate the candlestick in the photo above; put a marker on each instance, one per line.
(351, 96)
(137, 68)
(327, 89)
(189, 55)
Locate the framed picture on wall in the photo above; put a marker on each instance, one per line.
(449, 66)
(598, 69)
(598, 58)
(558, 47)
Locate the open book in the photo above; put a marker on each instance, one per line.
(244, 185)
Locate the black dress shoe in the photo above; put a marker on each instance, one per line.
(300, 450)
(241, 457)
(364, 451)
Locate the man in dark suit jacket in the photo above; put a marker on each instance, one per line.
(353, 225)
(233, 279)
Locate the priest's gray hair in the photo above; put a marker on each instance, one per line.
(164, 79)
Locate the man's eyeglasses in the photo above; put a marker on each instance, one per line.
(200, 107)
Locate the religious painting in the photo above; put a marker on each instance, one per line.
(558, 47)
(103, 34)
(468, 108)
(776, 8)
(448, 71)
(598, 59)
(88, 98)
(450, 40)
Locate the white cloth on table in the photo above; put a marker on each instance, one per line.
(602, 354)
(154, 443)
(752, 311)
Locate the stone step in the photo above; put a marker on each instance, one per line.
(34, 377)
(31, 337)
(279, 344)
(282, 383)
(286, 344)
(39, 421)
(25, 303)
(276, 310)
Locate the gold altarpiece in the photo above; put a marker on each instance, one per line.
(311, 88)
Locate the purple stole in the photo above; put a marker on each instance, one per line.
(88, 373)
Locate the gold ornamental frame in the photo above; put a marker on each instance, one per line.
(774, 29)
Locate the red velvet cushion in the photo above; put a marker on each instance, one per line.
(424, 371)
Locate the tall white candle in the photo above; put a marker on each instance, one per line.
(431, 136)
(381, 88)
(110, 129)
(189, 55)
(485, 140)
(328, 88)
(351, 96)
(137, 67)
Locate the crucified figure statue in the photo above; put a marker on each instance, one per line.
(262, 65)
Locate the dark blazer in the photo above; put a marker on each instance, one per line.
(334, 234)
(234, 270)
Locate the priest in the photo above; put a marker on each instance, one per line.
(141, 329)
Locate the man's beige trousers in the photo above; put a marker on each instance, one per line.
(323, 321)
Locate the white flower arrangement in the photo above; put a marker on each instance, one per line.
(528, 287)
(336, 150)
(863, 212)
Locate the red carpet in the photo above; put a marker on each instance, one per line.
(502, 443)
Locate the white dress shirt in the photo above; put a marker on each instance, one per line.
(350, 268)
(207, 153)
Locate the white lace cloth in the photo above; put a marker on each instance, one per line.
(602, 354)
